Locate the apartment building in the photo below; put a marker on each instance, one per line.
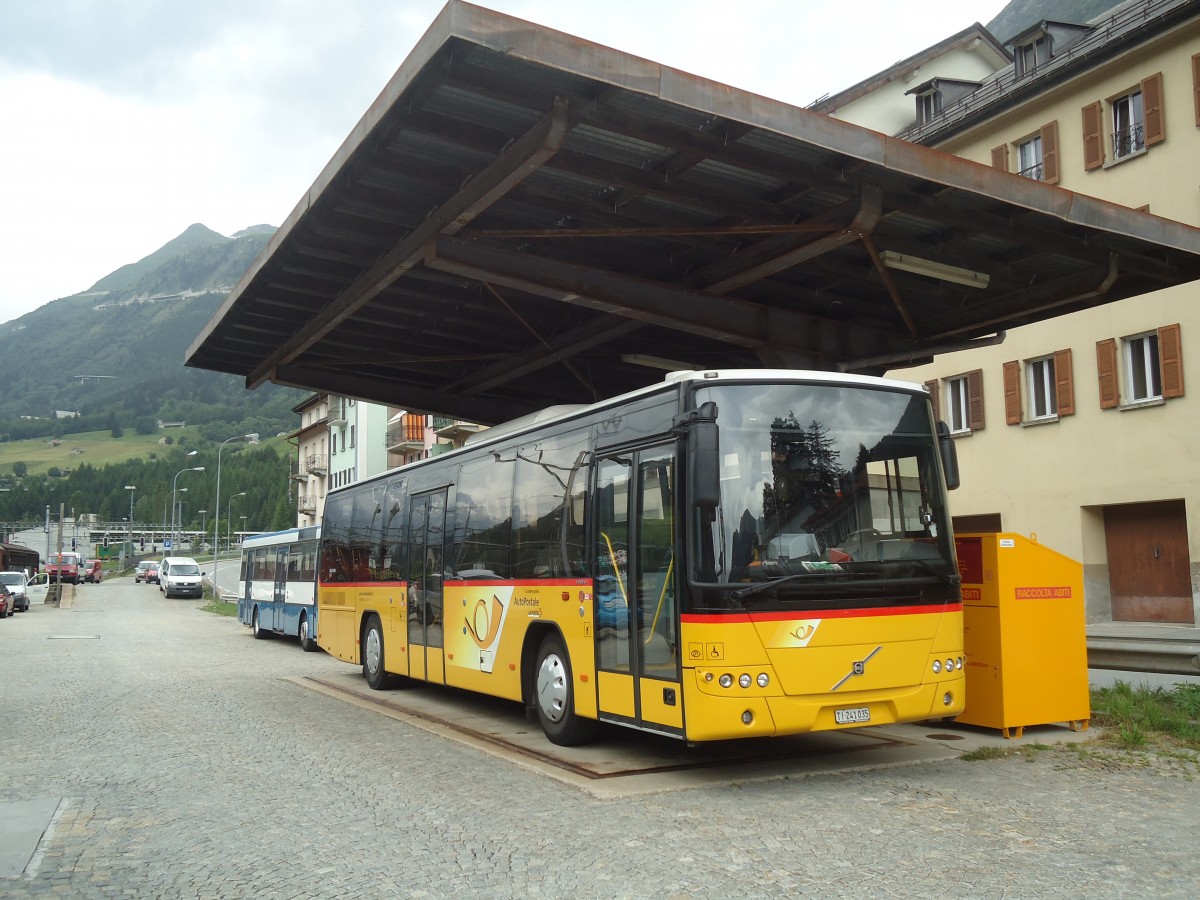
(1078, 429)
(342, 440)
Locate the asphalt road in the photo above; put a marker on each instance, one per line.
(154, 750)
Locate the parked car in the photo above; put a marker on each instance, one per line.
(93, 569)
(142, 572)
(6, 601)
(17, 585)
(180, 576)
(64, 567)
(152, 574)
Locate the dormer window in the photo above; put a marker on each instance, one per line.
(929, 104)
(1030, 55)
(937, 94)
(1037, 45)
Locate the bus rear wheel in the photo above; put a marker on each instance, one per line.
(307, 644)
(259, 632)
(373, 655)
(554, 696)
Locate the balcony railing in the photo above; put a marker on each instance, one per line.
(316, 464)
(306, 506)
(1128, 140)
(1037, 171)
(409, 435)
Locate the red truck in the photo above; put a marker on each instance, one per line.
(64, 567)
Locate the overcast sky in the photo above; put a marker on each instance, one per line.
(122, 122)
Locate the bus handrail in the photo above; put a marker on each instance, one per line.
(612, 555)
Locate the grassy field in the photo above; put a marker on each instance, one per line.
(96, 448)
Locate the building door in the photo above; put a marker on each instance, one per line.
(427, 527)
(636, 589)
(1149, 569)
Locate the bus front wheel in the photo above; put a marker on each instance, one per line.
(554, 696)
(372, 655)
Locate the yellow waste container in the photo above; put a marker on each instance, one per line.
(1024, 634)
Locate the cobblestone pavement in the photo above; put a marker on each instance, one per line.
(186, 765)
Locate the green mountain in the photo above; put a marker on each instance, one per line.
(114, 354)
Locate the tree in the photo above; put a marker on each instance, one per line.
(117, 431)
(20, 469)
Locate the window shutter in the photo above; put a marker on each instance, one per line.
(975, 399)
(933, 388)
(1106, 371)
(1064, 384)
(1152, 103)
(1196, 85)
(1170, 361)
(1000, 157)
(1050, 152)
(1093, 136)
(1012, 393)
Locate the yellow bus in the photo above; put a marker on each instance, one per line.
(726, 554)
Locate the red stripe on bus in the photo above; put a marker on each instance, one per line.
(467, 582)
(781, 616)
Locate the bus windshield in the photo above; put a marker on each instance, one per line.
(824, 489)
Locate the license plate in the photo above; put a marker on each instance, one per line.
(856, 715)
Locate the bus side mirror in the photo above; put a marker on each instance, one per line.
(949, 454)
(704, 458)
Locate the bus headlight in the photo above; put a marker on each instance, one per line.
(947, 699)
(725, 680)
(747, 717)
(744, 680)
(937, 666)
(763, 679)
(958, 663)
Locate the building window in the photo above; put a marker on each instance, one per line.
(1150, 367)
(351, 437)
(1028, 57)
(1135, 122)
(1029, 158)
(1129, 125)
(1043, 400)
(965, 401)
(1049, 389)
(1037, 154)
(929, 104)
(1142, 371)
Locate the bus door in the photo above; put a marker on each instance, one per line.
(636, 613)
(280, 591)
(427, 527)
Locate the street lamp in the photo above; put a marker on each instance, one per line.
(173, 491)
(169, 520)
(253, 439)
(132, 488)
(203, 525)
(229, 522)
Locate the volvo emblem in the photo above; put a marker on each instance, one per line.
(859, 667)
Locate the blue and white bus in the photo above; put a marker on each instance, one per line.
(277, 584)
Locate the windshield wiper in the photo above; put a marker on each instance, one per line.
(741, 593)
(862, 586)
(952, 580)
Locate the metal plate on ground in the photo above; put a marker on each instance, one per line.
(623, 761)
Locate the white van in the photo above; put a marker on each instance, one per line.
(180, 576)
